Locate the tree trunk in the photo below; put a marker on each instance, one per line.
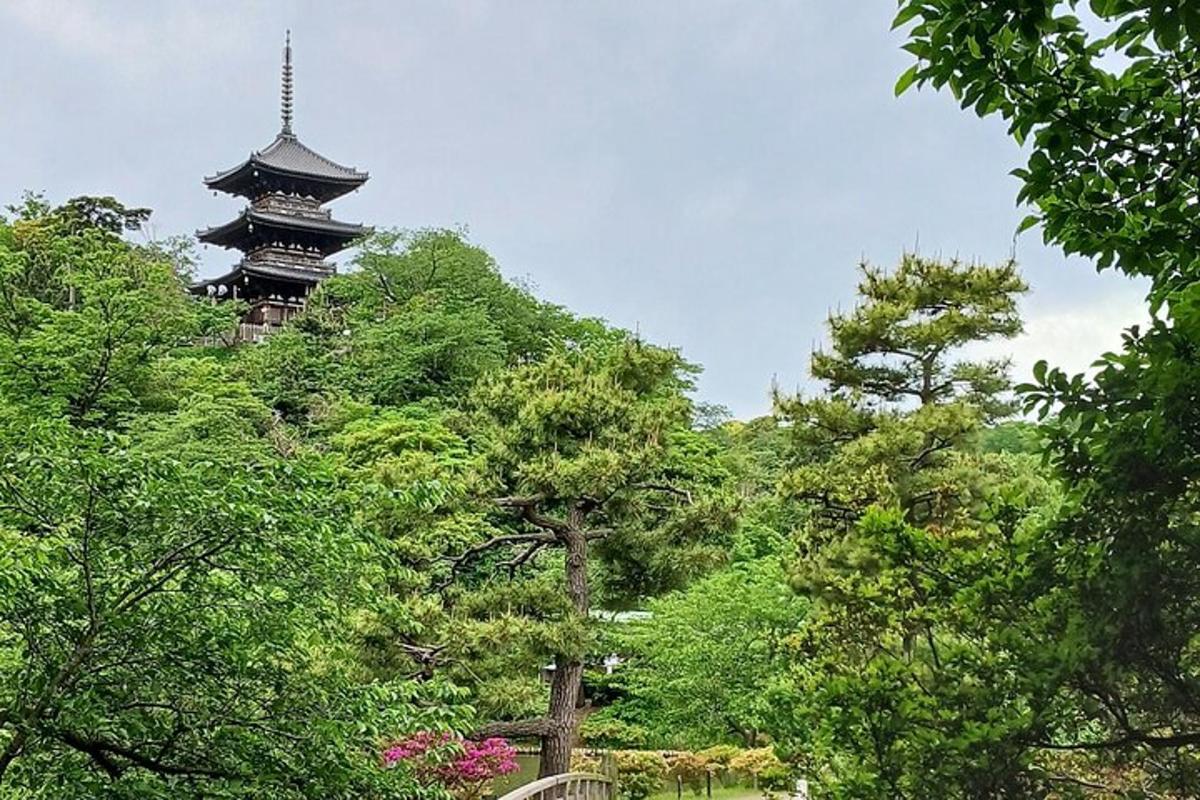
(927, 397)
(559, 737)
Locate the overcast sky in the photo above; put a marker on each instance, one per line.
(707, 173)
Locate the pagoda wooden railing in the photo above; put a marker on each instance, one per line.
(568, 786)
(249, 332)
(252, 332)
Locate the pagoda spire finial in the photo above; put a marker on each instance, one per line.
(286, 96)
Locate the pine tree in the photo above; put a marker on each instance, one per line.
(900, 397)
(901, 505)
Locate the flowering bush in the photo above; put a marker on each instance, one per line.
(462, 766)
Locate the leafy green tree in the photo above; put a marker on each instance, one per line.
(1106, 109)
(756, 454)
(83, 315)
(509, 456)
(420, 315)
(177, 579)
(171, 624)
(702, 669)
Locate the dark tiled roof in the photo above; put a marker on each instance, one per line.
(220, 234)
(288, 155)
(279, 271)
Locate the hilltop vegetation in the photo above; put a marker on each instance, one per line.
(418, 509)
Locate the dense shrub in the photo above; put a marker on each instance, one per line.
(763, 767)
(640, 773)
(599, 730)
(690, 768)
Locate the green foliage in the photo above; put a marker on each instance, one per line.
(603, 728)
(481, 434)
(420, 315)
(395, 268)
(755, 454)
(640, 773)
(594, 441)
(764, 767)
(908, 547)
(702, 667)
(178, 580)
(610, 429)
(1106, 108)
(1012, 436)
(864, 444)
(894, 345)
(689, 768)
(83, 315)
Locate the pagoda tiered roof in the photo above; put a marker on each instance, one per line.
(307, 276)
(284, 233)
(254, 228)
(288, 165)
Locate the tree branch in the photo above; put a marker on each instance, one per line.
(514, 729)
(528, 508)
(1132, 738)
(519, 560)
(103, 751)
(458, 562)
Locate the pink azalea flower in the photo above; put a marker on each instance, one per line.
(463, 766)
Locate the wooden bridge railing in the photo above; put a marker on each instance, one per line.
(568, 786)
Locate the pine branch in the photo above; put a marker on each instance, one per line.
(458, 562)
(515, 729)
(529, 508)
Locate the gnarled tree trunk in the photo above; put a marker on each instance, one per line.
(565, 689)
(557, 730)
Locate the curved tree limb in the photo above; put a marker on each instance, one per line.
(458, 562)
(108, 755)
(529, 509)
(514, 729)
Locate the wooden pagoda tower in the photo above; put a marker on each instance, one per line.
(284, 234)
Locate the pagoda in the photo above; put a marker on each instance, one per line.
(284, 234)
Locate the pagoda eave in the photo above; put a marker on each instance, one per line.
(252, 229)
(289, 164)
(300, 275)
(253, 179)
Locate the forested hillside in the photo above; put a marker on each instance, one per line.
(435, 514)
